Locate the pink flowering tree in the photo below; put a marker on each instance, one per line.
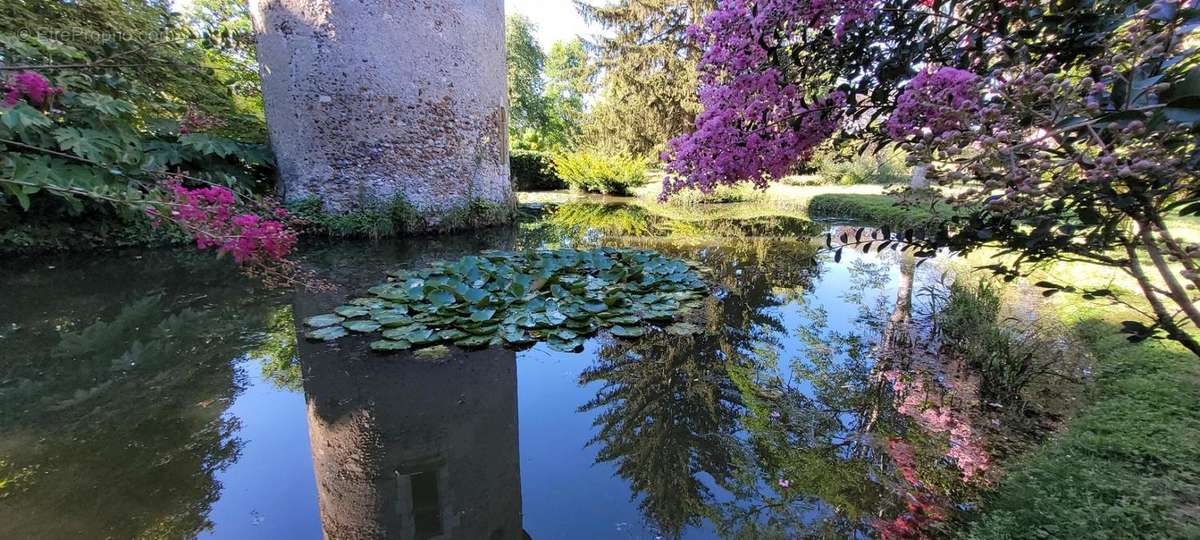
(73, 135)
(1070, 130)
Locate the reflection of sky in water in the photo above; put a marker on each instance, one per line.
(269, 489)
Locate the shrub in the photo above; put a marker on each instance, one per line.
(533, 171)
(591, 171)
(882, 167)
(720, 195)
(381, 219)
(1008, 354)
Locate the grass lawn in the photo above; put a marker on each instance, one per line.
(1128, 464)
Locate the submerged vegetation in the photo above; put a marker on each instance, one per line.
(515, 299)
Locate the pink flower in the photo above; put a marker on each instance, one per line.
(211, 216)
(785, 483)
(31, 85)
(755, 124)
(938, 101)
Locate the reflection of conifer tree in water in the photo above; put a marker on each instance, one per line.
(814, 435)
(668, 414)
(668, 408)
(114, 396)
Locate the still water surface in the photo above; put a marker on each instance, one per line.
(159, 395)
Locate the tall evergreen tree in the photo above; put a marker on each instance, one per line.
(650, 70)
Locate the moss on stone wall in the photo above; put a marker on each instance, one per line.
(382, 219)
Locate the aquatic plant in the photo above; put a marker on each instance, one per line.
(516, 299)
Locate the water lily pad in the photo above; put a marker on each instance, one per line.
(321, 321)
(362, 327)
(476, 296)
(351, 312)
(387, 345)
(482, 315)
(473, 341)
(452, 334)
(627, 331)
(432, 353)
(441, 298)
(561, 296)
(328, 333)
(565, 345)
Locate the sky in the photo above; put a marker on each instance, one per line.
(556, 20)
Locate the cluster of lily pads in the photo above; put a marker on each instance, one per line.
(516, 299)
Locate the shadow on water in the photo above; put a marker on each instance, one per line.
(165, 397)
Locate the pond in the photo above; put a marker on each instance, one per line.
(159, 394)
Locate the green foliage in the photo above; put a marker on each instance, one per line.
(873, 209)
(589, 170)
(1127, 466)
(516, 299)
(570, 80)
(51, 225)
(130, 74)
(650, 77)
(277, 351)
(525, 85)
(533, 171)
(1007, 356)
(380, 219)
(883, 167)
(377, 220)
(547, 93)
(230, 52)
(720, 195)
(475, 214)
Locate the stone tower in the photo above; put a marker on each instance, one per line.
(368, 101)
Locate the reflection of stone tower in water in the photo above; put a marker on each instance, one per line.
(414, 450)
(370, 100)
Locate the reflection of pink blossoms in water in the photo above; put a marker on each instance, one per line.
(30, 85)
(921, 508)
(934, 414)
(755, 123)
(935, 100)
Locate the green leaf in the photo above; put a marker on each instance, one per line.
(329, 333)
(351, 312)
(322, 321)
(627, 331)
(362, 327)
(441, 298)
(473, 341)
(389, 345)
(106, 105)
(207, 144)
(483, 315)
(22, 118)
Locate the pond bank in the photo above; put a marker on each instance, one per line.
(1127, 464)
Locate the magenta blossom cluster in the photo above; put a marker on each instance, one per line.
(31, 86)
(212, 217)
(755, 123)
(939, 101)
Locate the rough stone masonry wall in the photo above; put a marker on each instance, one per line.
(367, 100)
